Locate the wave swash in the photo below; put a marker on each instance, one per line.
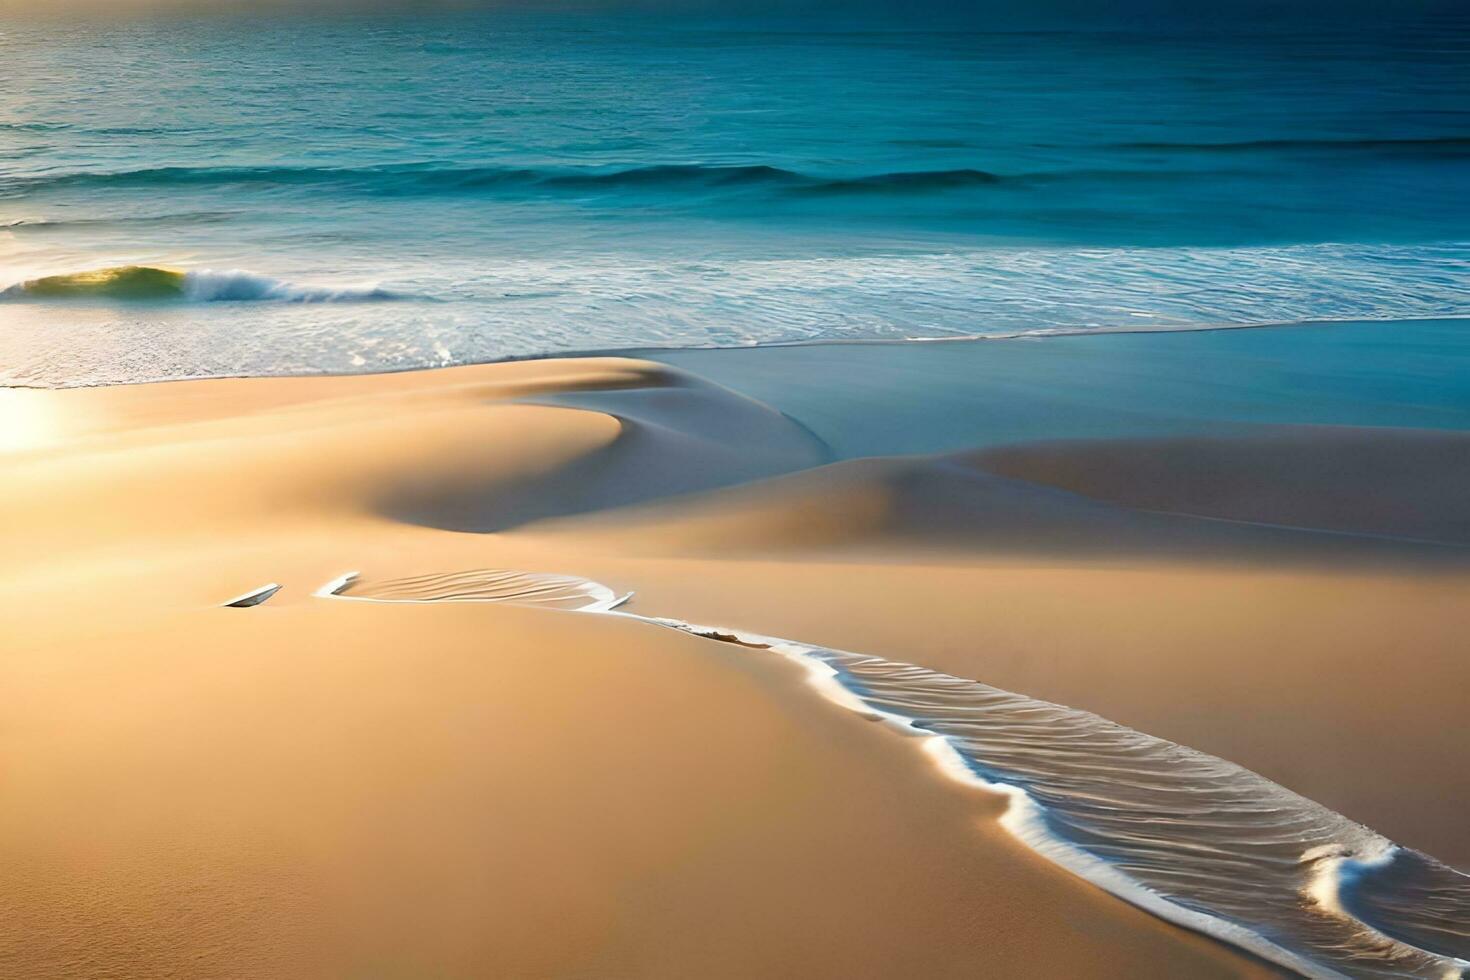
(1189, 837)
(1194, 839)
(142, 283)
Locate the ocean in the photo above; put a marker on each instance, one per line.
(312, 195)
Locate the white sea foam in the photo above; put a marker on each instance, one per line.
(500, 307)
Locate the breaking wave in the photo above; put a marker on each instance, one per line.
(149, 283)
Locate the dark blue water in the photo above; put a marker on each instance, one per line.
(520, 185)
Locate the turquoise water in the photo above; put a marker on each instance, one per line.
(362, 195)
(951, 397)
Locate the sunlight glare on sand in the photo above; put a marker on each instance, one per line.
(27, 420)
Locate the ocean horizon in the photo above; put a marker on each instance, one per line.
(211, 197)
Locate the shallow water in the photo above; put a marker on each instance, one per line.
(365, 195)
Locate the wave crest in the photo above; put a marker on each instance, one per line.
(150, 283)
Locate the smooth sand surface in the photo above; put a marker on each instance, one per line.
(317, 787)
(365, 790)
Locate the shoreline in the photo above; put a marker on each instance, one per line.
(655, 352)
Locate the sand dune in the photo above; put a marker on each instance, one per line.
(452, 448)
(676, 434)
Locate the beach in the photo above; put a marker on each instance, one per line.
(702, 489)
(472, 772)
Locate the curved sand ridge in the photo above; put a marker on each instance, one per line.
(676, 434)
(458, 449)
(142, 283)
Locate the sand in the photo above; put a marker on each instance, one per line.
(313, 787)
